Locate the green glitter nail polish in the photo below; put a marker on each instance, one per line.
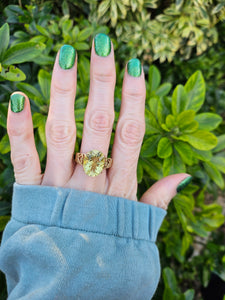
(102, 44)
(17, 102)
(134, 67)
(184, 183)
(67, 57)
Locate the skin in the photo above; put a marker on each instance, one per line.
(61, 170)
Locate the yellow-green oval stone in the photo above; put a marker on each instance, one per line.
(94, 163)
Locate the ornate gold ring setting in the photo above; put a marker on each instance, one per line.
(93, 162)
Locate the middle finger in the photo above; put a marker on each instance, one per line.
(99, 113)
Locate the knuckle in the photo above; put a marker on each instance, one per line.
(132, 132)
(21, 163)
(62, 90)
(107, 78)
(134, 94)
(18, 131)
(60, 134)
(101, 121)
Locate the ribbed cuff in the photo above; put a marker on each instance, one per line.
(87, 211)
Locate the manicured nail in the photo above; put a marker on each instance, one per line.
(67, 57)
(184, 183)
(134, 67)
(17, 102)
(102, 44)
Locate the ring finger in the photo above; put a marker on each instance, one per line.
(129, 134)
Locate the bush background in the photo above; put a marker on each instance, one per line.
(181, 46)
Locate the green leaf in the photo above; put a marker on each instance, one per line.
(3, 115)
(103, 7)
(198, 228)
(41, 132)
(12, 73)
(44, 80)
(179, 4)
(157, 109)
(84, 34)
(151, 124)
(139, 171)
(38, 39)
(179, 100)
(170, 122)
(214, 221)
(189, 295)
(195, 89)
(79, 127)
(185, 117)
(202, 155)
(4, 38)
(113, 13)
(189, 128)
(65, 8)
(81, 46)
(187, 241)
(38, 119)
(31, 92)
(218, 8)
(214, 174)
(79, 115)
(219, 163)
(185, 204)
(163, 89)
(169, 294)
(22, 52)
(154, 78)
(153, 104)
(44, 60)
(169, 279)
(208, 121)
(81, 102)
(3, 221)
(201, 139)
(4, 144)
(185, 152)
(221, 143)
(173, 164)
(149, 147)
(153, 168)
(42, 30)
(164, 149)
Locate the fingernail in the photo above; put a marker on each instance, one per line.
(17, 102)
(102, 44)
(67, 57)
(184, 183)
(134, 67)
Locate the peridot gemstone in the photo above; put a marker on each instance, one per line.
(93, 163)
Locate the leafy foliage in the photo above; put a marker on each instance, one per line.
(182, 26)
(184, 132)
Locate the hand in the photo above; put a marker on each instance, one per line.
(61, 170)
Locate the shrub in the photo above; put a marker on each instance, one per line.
(181, 135)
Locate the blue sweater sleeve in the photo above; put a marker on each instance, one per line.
(63, 243)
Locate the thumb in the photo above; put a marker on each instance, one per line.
(161, 193)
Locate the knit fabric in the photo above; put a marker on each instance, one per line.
(64, 244)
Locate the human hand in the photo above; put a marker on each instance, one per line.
(61, 170)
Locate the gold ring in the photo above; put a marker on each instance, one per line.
(93, 162)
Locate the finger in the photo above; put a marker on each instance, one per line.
(161, 193)
(24, 154)
(60, 124)
(99, 114)
(129, 134)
